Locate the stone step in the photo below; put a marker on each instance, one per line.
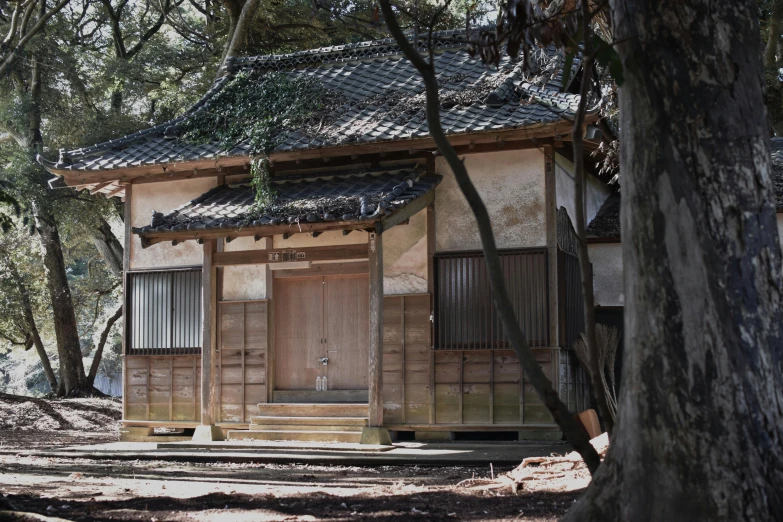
(304, 427)
(359, 422)
(294, 409)
(312, 436)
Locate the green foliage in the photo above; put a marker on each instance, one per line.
(257, 110)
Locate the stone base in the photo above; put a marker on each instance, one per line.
(207, 434)
(433, 436)
(540, 435)
(377, 436)
(135, 434)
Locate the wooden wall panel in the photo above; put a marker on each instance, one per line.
(241, 361)
(163, 388)
(471, 387)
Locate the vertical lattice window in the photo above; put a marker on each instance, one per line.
(165, 312)
(465, 315)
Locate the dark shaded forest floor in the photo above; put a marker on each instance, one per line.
(87, 489)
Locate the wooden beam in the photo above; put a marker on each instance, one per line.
(350, 268)
(403, 214)
(263, 231)
(259, 257)
(208, 281)
(376, 331)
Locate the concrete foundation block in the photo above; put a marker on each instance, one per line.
(377, 436)
(207, 434)
(136, 433)
(540, 435)
(433, 436)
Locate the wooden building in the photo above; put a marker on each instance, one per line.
(360, 302)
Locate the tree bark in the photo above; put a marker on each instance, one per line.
(63, 313)
(700, 430)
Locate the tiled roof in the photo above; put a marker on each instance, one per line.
(606, 223)
(381, 100)
(351, 197)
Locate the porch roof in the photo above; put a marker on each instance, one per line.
(352, 199)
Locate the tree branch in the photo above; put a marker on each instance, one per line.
(573, 429)
(588, 298)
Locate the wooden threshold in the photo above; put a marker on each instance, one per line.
(315, 397)
(470, 427)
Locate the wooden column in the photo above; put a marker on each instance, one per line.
(126, 253)
(376, 329)
(208, 284)
(550, 180)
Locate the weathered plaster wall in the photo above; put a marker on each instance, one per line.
(511, 183)
(405, 257)
(164, 197)
(595, 194)
(607, 259)
(244, 282)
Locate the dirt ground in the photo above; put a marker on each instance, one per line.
(86, 489)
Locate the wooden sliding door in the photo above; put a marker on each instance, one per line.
(321, 318)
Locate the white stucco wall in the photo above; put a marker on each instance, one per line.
(164, 197)
(607, 259)
(405, 257)
(244, 282)
(512, 185)
(596, 191)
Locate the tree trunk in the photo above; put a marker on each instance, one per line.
(35, 337)
(241, 13)
(96, 361)
(63, 314)
(700, 426)
(108, 246)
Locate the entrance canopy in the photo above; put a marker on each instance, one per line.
(349, 200)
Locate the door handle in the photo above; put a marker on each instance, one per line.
(323, 360)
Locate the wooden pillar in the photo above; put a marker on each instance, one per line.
(207, 285)
(375, 433)
(208, 431)
(126, 253)
(376, 329)
(550, 180)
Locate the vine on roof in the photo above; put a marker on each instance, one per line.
(257, 110)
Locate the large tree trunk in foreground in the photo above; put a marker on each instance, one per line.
(72, 376)
(700, 428)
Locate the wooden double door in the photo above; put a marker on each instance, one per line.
(317, 318)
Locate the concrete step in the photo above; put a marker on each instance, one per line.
(359, 422)
(312, 436)
(293, 409)
(305, 427)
